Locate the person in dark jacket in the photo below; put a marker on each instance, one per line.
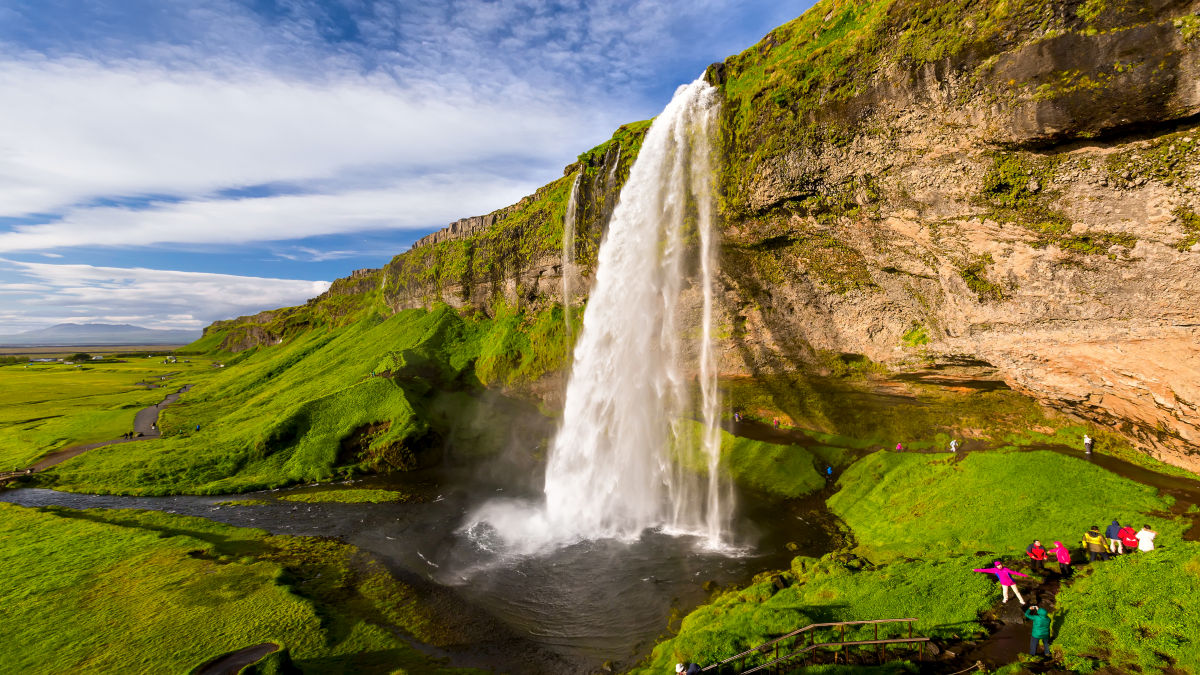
(1113, 533)
(1041, 629)
(1037, 556)
(1095, 545)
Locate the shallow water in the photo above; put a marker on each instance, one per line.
(573, 608)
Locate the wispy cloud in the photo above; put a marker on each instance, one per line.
(147, 297)
(411, 204)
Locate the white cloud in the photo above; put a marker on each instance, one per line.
(411, 204)
(146, 297)
(74, 130)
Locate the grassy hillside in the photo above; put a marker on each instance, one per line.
(110, 591)
(905, 504)
(923, 522)
(328, 402)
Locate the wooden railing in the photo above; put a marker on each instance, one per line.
(779, 654)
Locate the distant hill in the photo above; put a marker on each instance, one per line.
(97, 334)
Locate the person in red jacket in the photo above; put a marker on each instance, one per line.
(1128, 538)
(1037, 556)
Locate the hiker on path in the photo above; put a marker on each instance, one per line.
(1041, 630)
(828, 473)
(1113, 534)
(1094, 542)
(775, 422)
(1006, 581)
(1087, 444)
(1128, 537)
(1037, 556)
(1145, 538)
(899, 447)
(954, 446)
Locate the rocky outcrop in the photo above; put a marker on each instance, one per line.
(1028, 203)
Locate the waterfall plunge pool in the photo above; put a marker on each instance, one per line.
(571, 608)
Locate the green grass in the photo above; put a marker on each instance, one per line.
(48, 407)
(905, 504)
(109, 591)
(310, 409)
(1137, 613)
(946, 602)
(349, 496)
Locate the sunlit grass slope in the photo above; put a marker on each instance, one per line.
(48, 407)
(311, 408)
(946, 602)
(1139, 613)
(129, 591)
(905, 504)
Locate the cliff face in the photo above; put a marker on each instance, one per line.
(915, 181)
(1028, 199)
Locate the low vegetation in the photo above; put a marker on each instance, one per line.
(347, 496)
(110, 591)
(326, 403)
(1138, 613)
(908, 504)
(50, 406)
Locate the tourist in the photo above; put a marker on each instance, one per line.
(775, 422)
(899, 447)
(1087, 444)
(689, 669)
(1037, 556)
(1113, 534)
(1128, 537)
(953, 446)
(828, 473)
(1041, 630)
(1145, 538)
(1094, 542)
(1006, 581)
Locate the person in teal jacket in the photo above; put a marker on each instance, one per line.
(1041, 629)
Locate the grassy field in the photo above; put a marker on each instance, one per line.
(112, 591)
(326, 404)
(922, 522)
(47, 407)
(907, 504)
(1138, 613)
(350, 496)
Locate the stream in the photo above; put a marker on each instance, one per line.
(574, 608)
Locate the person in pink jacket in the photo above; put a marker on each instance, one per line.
(1063, 555)
(1006, 581)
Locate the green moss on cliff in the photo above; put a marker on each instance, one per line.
(975, 276)
(1189, 220)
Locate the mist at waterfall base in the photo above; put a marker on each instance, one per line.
(639, 445)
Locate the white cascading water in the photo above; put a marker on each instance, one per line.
(629, 455)
(568, 252)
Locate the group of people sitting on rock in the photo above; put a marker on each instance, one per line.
(1117, 539)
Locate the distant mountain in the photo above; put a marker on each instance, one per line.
(97, 334)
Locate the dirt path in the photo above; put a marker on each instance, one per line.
(145, 422)
(233, 662)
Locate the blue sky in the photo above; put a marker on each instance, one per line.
(172, 162)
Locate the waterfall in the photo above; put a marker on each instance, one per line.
(630, 455)
(568, 251)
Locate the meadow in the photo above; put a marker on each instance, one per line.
(325, 404)
(112, 591)
(46, 407)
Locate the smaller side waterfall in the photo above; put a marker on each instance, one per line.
(568, 252)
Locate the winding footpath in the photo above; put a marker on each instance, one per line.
(145, 426)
